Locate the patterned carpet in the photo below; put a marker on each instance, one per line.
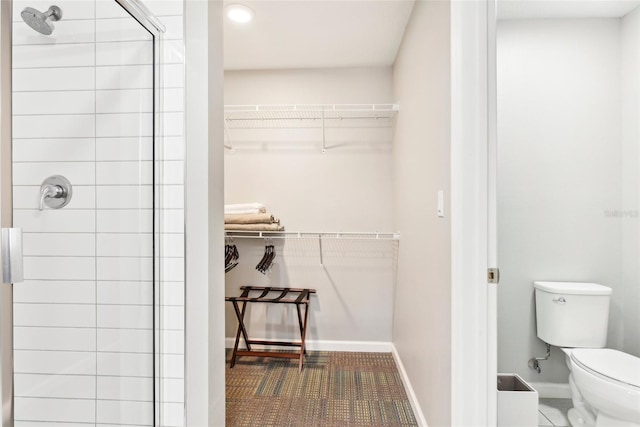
(334, 389)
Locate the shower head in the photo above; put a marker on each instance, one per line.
(41, 21)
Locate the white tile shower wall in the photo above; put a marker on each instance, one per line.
(83, 325)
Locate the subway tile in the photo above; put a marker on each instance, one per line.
(28, 197)
(124, 149)
(125, 245)
(51, 291)
(125, 269)
(124, 125)
(55, 386)
(56, 315)
(125, 341)
(55, 221)
(172, 390)
(64, 339)
(68, 102)
(63, 55)
(172, 245)
(71, 9)
(172, 366)
(172, 221)
(173, 148)
(125, 77)
(172, 414)
(172, 269)
(163, 8)
(173, 124)
(174, 25)
(78, 173)
(173, 173)
(124, 221)
(172, 342)
(125, 364)
(59, 268)
(125, 197)
(172, 318)
(173, 52)
(124, 412)
(66, 31)
(54, 362)
(123, 29)
(124, 53)
(18, 423)
(172, 75)
(172, 293)
(112, 292)
(61, 79)
(54, 410)
(126, 388)
(124, 101)
(110, 9)
(54, 150)
(59, 244)
(173, 100)
(125, 316)
(56, 126)
(124, 173)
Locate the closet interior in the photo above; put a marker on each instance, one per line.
(308, 144)
(337, 126)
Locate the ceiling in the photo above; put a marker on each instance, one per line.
(316, 34)
(528, 9)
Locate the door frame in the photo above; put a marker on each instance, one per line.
(473, 214)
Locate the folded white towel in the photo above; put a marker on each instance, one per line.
(245, 208)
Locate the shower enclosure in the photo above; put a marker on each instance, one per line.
(90, 341)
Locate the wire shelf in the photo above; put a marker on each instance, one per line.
(313, 235)
(250, 116)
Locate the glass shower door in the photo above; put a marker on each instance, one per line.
(84, 318)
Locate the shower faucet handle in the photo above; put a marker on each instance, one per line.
(55, 192)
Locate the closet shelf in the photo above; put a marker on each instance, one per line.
(319, 236)
(236, 115)
(320, 116)
(312, 235)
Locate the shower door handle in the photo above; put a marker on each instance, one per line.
(12, 267)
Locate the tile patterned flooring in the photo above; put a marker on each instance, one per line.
(553, 412)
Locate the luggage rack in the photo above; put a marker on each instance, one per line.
(286, 296)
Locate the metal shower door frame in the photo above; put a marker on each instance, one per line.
(141, 14)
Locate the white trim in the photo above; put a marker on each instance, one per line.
(552, 390)
(417, 410)
(326, 345)
(473, 368)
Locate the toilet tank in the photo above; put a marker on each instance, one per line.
(572, 314)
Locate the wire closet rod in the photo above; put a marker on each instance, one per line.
(349, 235)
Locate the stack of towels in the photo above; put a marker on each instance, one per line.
(250, 217)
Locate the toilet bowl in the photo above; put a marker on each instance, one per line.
(605, 388)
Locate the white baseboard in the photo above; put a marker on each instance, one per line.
(552, 390)
(417, 411)
(325, 345)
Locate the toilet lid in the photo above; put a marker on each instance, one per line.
(612, 364)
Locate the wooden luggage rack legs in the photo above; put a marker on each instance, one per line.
(286, 296)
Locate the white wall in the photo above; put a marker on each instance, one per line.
(347, 189)
(559, 175)
(630, 91)
(422, 310)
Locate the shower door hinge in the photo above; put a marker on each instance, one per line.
(493, 275)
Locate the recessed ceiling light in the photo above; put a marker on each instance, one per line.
(239, 13)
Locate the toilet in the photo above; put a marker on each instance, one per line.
(605, 383)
